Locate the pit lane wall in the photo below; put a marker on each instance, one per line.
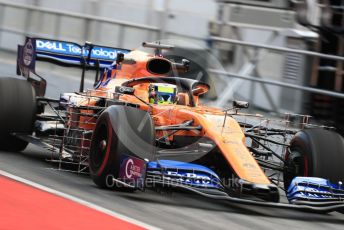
(108, 22)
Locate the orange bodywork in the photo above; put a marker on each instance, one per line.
(228, 137)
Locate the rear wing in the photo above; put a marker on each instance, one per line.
(65, 53)
(88, 56)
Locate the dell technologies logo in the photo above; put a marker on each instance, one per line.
(73, 49)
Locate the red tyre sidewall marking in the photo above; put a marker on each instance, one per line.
(108, 148)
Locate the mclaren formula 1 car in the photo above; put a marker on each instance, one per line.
(142, 127)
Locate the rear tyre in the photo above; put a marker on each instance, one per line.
(119, 130)
(18, 111)
(315, 153)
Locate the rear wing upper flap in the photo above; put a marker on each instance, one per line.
(63, 53)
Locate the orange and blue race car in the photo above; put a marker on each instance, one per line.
(142, 127)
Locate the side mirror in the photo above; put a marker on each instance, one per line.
(183, 67)
(124, 90)
(240, 104)
(119, 58)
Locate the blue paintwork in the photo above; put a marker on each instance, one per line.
(72, 53)
(180, 165)
(106, 73)
(185, 173)
(315, 189)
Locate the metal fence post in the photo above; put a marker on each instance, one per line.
(57, 25)
(87, 29)
(28, 17)
(2, 16)
(120, 36)
(278, 83)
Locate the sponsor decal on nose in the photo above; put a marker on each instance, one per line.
(132, 170)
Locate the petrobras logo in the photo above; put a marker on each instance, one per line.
(303, 191)
(188, 178)
(313, 195)
(67, 48)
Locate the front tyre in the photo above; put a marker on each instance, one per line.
(315, 153)
(102, 158)
(120, 130)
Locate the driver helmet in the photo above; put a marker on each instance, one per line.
(162, 94)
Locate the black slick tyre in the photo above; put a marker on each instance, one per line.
(18, 111)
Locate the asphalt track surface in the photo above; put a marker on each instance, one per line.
(166, 211)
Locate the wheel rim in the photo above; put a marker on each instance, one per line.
(297, 165)
(100, 147)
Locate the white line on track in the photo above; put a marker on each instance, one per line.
(77, 200)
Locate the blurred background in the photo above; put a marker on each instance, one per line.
(281, 56)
